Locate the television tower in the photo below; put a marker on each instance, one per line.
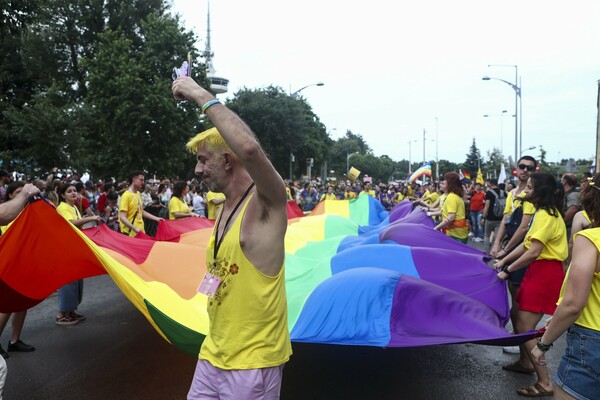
(218, 85)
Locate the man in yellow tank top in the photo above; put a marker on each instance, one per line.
(248, 340)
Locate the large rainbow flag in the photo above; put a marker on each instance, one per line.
(355, 275)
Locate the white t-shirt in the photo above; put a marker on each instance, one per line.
(198, 204)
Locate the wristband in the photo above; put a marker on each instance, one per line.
(543, 347)
(505, 269)
(208, 104)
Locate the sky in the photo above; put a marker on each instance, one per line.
(393, 69)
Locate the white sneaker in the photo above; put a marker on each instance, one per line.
(511, 349)
(470, 234)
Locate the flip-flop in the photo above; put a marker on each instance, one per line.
(517, 367)
(535, 390)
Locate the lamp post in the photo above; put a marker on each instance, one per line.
(424, 157)
(304, 87)
(292, 159)
(348, 155)
(518, 115)
(437, 159)
(410, 142)
(501, 115)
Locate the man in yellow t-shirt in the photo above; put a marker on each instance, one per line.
(131, 210)
(214, 202)
(368, 190)
(329, 195)
(514, 210)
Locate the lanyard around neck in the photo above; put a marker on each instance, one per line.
(218, 240)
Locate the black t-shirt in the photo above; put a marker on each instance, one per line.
(490, 196)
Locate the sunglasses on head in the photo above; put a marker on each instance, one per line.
(526, 167)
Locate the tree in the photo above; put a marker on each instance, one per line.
(447, 166)
(284, 125)
(344, 152)
(95, 87)
(473, 161)
(495, 162)
(130, 112)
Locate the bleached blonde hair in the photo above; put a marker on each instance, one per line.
(211, 139)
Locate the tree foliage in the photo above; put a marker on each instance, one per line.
(473, 161)
(86, 84)
(495, 161)
(284, 125)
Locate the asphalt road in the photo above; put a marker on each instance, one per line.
(116, 354)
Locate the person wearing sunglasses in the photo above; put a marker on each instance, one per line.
(512, 230)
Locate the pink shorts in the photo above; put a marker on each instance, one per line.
(210, 382)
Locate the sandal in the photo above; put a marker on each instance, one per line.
(517, 367)
(535, 390)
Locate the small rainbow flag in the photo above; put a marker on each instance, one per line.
(465, 175)
(424, 170)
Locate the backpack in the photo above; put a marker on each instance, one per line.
(513, 222)
(499, 204)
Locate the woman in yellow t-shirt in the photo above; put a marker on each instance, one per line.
(69, 296)
(178, 208)
(454, 222)
(579, 309)
(543, 252)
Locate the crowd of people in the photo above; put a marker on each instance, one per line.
(543, 234)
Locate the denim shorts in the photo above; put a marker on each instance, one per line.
(579, 370)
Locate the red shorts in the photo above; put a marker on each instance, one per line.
(541, 285)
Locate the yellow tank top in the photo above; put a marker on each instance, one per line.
(590, 316)
(248, 312)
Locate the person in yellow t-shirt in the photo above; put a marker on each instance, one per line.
(454, 222)
(578, 310)
(349, 194)
(368, 189)
(131, 210)
(70, 294)
(329, 195)
(509, 237)
(178, 208)
(511, 232)
(248, 342)
(543, 252)
(214, 202)
(426, 196)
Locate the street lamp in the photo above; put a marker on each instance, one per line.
(304, 87)
(501, 115)
(529, 148)
(348, 155)
(518, 104)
